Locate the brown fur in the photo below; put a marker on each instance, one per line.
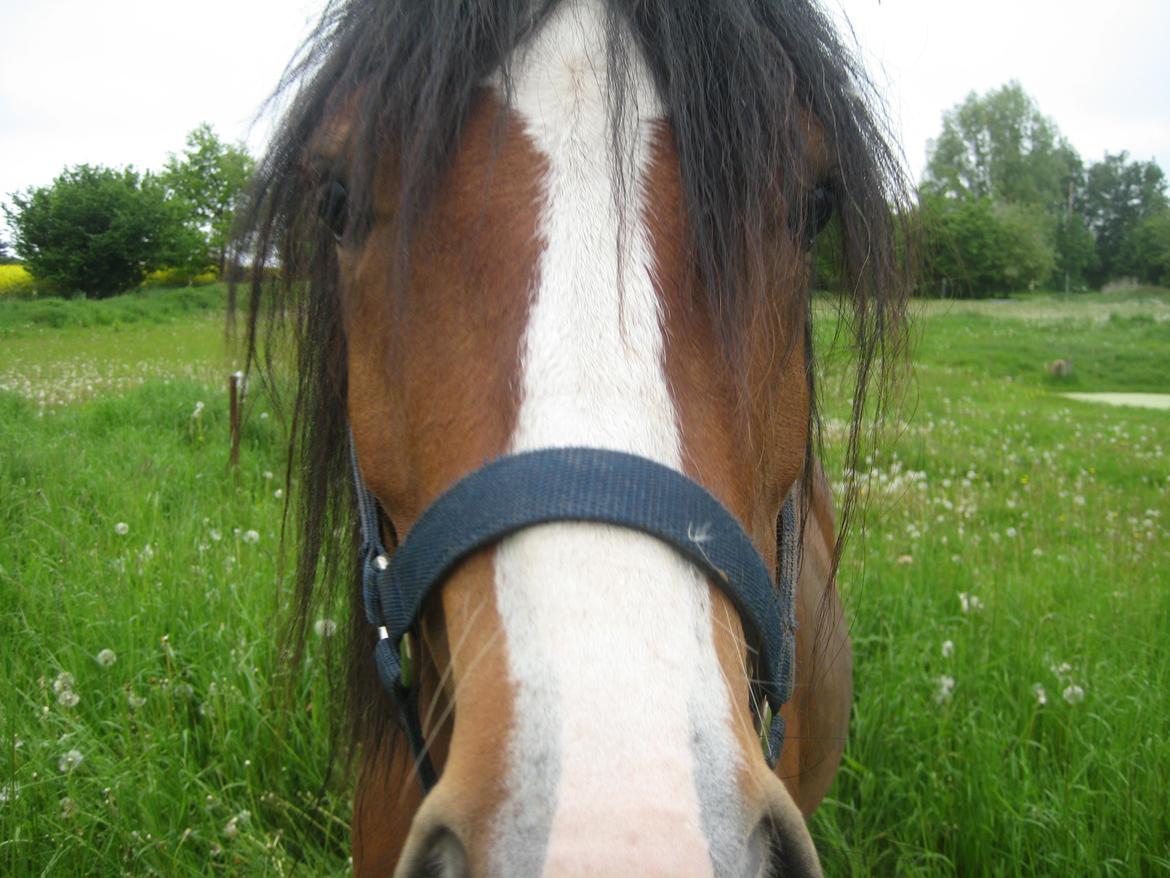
(744, 429)
(431, 397)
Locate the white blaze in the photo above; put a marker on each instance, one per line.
(608, 631)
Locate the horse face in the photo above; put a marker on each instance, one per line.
(585, 688)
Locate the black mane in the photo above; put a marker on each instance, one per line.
(734, 77)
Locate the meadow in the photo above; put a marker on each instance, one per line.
(1009, 592)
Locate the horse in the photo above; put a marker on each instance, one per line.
(521, 242)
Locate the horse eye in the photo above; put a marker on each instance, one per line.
(333, 207)
(822, 205)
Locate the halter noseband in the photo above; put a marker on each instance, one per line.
(573, 484)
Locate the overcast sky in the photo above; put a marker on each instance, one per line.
(122, 81)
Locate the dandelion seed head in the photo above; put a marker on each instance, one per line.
(905, 560)
(106, 658)
(69, 761)
(121, 528)
(1040, 693)
(1073, 694)
(251, 536)
(325, 628)
(63, 682)
(948, 648)
(970, 603)
(68, 698)
(946, 687)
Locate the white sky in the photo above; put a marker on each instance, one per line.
(122, 81)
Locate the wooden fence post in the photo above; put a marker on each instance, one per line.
(235, 384)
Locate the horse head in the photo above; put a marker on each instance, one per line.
(576, 225)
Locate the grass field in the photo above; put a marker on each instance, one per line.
(1010, 600)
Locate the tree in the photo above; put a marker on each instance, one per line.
(1119, 196)
(1019, 180)
(95, 230)
(1027, 256)
(972, 247)
(1146, 252)
(1000, 146)
(210, 177)
(1075, 252)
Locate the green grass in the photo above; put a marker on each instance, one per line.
(1054, 514)
(28, 317)
(126, 531)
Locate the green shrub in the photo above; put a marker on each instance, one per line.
(96, 230)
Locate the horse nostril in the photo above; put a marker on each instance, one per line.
(788, 850)
(443, 857)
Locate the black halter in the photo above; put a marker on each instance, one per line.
(574, 484)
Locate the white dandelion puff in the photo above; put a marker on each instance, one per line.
(232, 828)
(946, 687)
(68, 698)
(121, 528)
(948, 648)
(325, 628)
(251, 536)
(1073, 694)
(1040, 693)
(106, 658)
(69, 761)
(969, 602)
(63, 682)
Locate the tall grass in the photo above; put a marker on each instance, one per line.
(144, 718)
(1026, 531)
(1009, 601)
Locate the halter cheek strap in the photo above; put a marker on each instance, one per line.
(519, 491)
